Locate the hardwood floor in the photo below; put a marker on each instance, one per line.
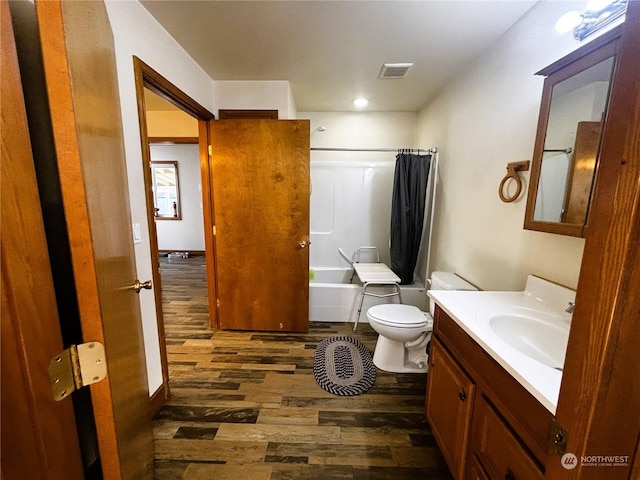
(245, 405)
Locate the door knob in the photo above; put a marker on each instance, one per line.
(303, 244)
(137, 286)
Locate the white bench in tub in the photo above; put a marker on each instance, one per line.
(374, 275)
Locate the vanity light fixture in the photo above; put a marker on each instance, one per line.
(599, 14)
(361, 102)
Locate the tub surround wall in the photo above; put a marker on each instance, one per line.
(484, 119)
(351, 191)
(351, 206)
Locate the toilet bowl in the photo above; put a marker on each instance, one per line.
(404, 330)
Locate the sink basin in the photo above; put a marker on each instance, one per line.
(539, 335)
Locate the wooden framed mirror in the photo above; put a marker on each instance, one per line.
(565, 157)
(166, 190)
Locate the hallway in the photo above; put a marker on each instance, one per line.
(245, 405)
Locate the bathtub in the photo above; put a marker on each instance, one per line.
(333, 299)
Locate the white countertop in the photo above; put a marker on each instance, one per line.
(466, 307)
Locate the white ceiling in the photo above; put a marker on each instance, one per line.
(332, 51)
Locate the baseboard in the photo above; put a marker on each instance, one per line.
(192, 253)
(158, 399)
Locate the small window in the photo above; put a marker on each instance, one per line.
(166, 192)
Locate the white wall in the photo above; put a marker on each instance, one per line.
(351, 191)
(137, 33)
(188, 233)
(255, 95)
(483, 120)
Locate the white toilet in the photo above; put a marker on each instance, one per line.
(404, 330)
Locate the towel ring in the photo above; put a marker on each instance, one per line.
(512, 173)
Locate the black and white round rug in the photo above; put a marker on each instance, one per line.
(343, 366)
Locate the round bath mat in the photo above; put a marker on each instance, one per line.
(343, 366)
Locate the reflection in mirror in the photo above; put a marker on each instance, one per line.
(166, 192)
(572, 111)
(573, 132)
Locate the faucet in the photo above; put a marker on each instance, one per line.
(570, 307)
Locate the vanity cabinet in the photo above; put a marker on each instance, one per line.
(487, 425)
(449, 409)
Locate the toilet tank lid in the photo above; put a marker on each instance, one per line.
(449, 281)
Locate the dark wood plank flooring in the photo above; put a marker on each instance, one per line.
(245, 405)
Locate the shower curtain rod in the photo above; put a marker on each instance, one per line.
(398, 150)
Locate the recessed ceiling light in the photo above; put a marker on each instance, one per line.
(361, 102)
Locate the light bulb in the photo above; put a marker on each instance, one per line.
(568, 22)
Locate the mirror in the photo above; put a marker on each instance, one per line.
(166, 192)
(565, 157)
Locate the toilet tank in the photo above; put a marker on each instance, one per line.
(447, 281)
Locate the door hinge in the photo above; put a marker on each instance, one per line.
(210, 149)
(557, 438)
(215, 230)
(218, 302)
(76, 367)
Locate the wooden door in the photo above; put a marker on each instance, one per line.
(79, 65)
(260, 181)
(450, 395)
(39, 438)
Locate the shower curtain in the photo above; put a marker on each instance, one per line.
(407, 213)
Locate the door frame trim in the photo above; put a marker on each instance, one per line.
(147, 77)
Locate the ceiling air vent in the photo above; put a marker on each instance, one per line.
(394, 70)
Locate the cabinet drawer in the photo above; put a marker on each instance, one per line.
(497, 449)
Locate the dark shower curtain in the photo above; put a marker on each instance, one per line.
(407, 212)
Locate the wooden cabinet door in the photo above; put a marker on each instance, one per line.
(497, 449)
(475, 471)
(450, 395)
(261, 186)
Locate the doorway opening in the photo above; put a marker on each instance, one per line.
(153, 89)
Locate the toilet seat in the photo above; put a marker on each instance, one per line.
(400, 316)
